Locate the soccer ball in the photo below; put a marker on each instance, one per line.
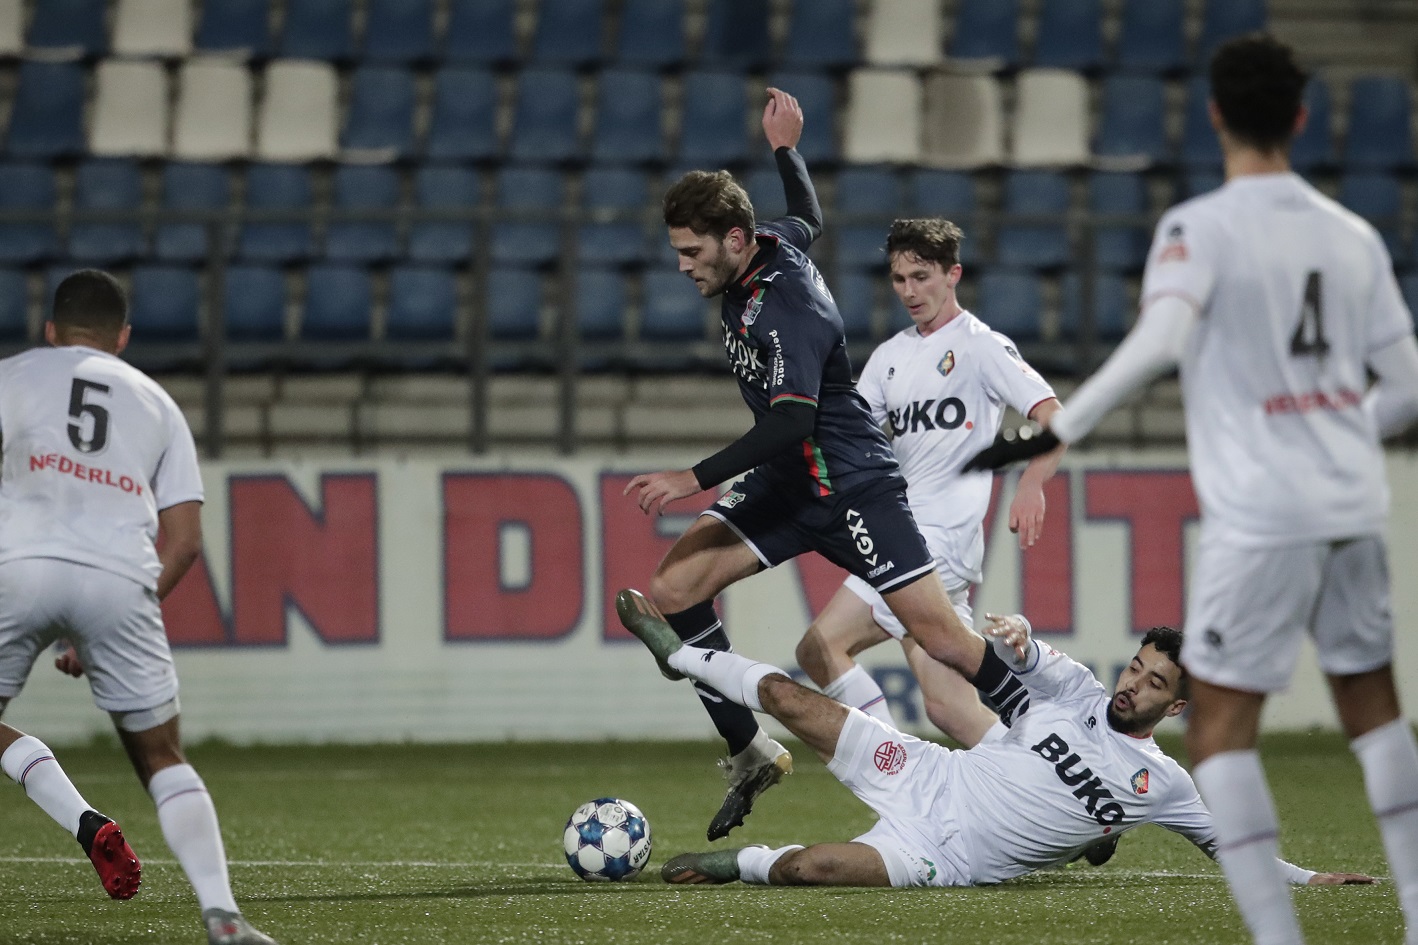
(607, 839)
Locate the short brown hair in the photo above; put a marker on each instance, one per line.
(1169, 643)
(90, 300)
(1258, 88)
(932, 238)
(709, 202)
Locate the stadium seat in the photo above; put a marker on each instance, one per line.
(214, 116)
(1069, 35)
(464, 122)
(514, 304)
(27, 187)
(107, 185)
(1223, 19)
(1050, 119)
(817, 94)
(1118, 246)
(628, 110)
(1200, 146)
(1037, 245)
(318, 29)
(854, 291)
(651, 34)
(713, 130)
(948, 194)
(987, 31)
(14, 305)
(736, 35)
(1152, 38)
(191, 187)
(865, 192)
(240, 27)
(298, 112)
(47, 115)
(161, 28)
(883, 121)
(339, 302)
(447, 189)
(1132, 133)
(130, 110)
(399, 31)
(821, 35)
(544, 126)
(1011, 301)
(963, 125)
(72, 28)
(1409, 286)
(1380, 135)
(903, 33)
(423, 304)
(12, 33)
(277, 187)
(672, 310)
(614, 200)
(765, 191)
(1377, 197)
(528, 242)
(481, 32)
(165, 304)
(1195, 183)
(363, 189)
(568, 33)
(599, 303)
(380, 125)
(1314, 148)
(1112, 306)
(254, 303)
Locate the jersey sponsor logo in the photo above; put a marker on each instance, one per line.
(890, 757)
(947, 364)
(731, 498)
(743, 361)
(779, 368)
(930, 869)
(1140, 781)
(1088, 788)
(880, 570)
(926, 415)
(890, 373)
(1175, 248)
(857, 531)
(97, 475)
(1342, 399)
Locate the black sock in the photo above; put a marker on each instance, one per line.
(90, 822)
(700, 626)
(1000, 689)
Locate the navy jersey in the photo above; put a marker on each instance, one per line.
(784, 338)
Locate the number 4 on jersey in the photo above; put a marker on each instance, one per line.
(78, 408)
(1309, 334)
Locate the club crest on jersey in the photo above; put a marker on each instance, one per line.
(1175, 249)
(890, 757)
(947, 364)
(731, 498)
(1139, 781)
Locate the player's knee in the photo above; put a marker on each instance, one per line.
(807, 867)
(779, 695)
(668, 595)
(813, 655)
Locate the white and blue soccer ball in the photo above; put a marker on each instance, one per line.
(607, 839)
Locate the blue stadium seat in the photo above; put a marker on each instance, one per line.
(399, 31)
(73, 27)
(987, 30)
(27, 187)
(855, 294)
(481, 32)
(713, 130)
(651, 34)
(599, 302)
(277, 187)
(235, 26)
(14, 305)
(1132, 126)
(866, 192)
(817, 94)
(628, 112)
(1122, 247)
(444, 188)
(1069, 35)
(423, 304)
(1314, 148)
(363, 188)
(1195, 183)
(1409, 286)
(1011, 301)
(1377, 197)
(528, 242)
(1224, 19)
(821, 36)
(1380, 135)
(673, 309)
(107, 185)
(544, 127)
(318, 29)
(254, 303)
(165, 303)
(190, 187)
(464, 122)
(616, 242)
(514, 304)
(1152, 38)
(568, 33)
(765, 191)
(381, 115)
(1112, 303)
(949, 194)
(47, 117)
(736, 35)
(338, 304)
(1035, 245)
(1200, 147)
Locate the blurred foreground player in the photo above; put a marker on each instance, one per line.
(96, 457)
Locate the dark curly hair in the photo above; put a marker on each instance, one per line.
(1259, 89)
(931, 239)
(709, 202)
(1169, 642)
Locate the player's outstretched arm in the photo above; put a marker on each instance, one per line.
(1026, 512)
(783, 128)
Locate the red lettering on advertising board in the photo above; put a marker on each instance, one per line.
(1156, 506)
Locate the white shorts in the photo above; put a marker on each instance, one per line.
(1250, 607)
(958, 593)
(908, 782)
(113, 622)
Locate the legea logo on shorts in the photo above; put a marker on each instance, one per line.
(890, 757)
(730, 499)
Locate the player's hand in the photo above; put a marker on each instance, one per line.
(68, 662)
(782, 120)
(657, 490)
(1012, 630)
(1010, 447)
(1026, 514)
(1341, 879)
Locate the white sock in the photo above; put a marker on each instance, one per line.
(994, 733)
(189, 824)
(737, 677)
(756, 861)
(31, 765)
(1389, 757)
(1233, 786)
(857, 689)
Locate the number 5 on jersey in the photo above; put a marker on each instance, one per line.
(79, 407)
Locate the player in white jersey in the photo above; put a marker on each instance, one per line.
(1277, 303)
(1080, 765)
(96, 457)
(939, 389)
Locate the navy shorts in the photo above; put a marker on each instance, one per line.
(868, 530)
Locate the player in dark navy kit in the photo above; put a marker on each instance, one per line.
(823, 477)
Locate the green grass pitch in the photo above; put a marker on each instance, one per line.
(461, 844)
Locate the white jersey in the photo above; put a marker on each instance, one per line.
(1062, 778)
(1294, 294)
(941, 398)
(93, 450)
